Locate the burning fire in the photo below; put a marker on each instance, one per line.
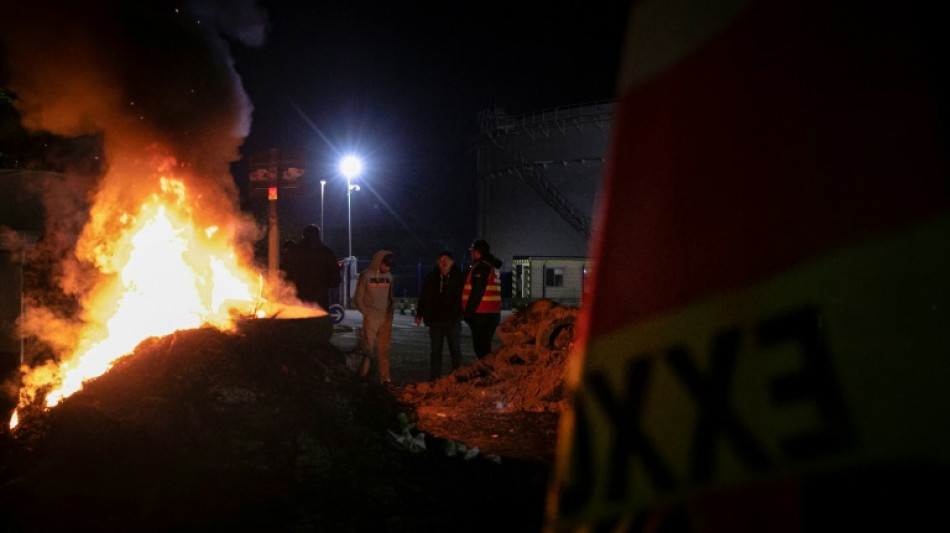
(163, 273)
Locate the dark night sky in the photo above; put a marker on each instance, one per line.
(399, 83)
(402, 83)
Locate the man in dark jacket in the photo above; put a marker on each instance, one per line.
(440, 307)
(481, 297)
(312, 267)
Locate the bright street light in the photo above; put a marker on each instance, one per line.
(351, 166)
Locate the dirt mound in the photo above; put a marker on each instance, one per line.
(525, 374)
(509, 402)
(207, 430)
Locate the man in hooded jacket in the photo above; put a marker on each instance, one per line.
(374, 300)
(481, 297)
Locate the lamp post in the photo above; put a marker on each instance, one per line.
(322, 229)
(350, 166)
(349, 218)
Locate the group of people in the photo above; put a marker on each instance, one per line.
(447, 298)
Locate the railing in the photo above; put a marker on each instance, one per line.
(497, 120)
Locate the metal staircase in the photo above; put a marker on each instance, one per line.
(531, 173)
(496, 128)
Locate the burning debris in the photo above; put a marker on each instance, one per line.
(163, 246)
(160, 273)
(261, 428)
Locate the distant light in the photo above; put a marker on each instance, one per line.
(272, 193)
(351, 166)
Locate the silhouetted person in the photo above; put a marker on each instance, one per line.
(312, 267)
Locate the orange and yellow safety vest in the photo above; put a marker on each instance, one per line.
(491, 300)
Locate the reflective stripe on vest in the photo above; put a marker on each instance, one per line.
(491, 300)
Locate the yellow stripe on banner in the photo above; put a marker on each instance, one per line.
(844, 361)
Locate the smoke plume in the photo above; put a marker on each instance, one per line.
(155, 81)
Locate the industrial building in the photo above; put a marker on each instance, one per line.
(538, 178)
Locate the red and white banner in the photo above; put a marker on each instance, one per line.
(769, 316)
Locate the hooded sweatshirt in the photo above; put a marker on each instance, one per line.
(374, 289)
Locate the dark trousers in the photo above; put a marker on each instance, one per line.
(483, 329)
(439, 332)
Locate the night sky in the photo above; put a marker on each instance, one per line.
(398, 83)
(401, 83)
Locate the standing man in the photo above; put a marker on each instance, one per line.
(440, 307)
(374, 300)
(481, 297)
(312, 267)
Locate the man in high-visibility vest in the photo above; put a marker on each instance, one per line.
(481, 297)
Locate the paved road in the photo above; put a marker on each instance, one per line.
(409, 357)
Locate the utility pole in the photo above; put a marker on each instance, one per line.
(273, 231)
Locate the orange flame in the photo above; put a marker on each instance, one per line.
(164, 274)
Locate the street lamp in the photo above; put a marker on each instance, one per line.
(350, 166)
(323, 229)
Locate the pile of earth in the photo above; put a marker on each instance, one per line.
(516, 393)
(257, 429)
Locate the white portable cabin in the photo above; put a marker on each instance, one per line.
(561, 279)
